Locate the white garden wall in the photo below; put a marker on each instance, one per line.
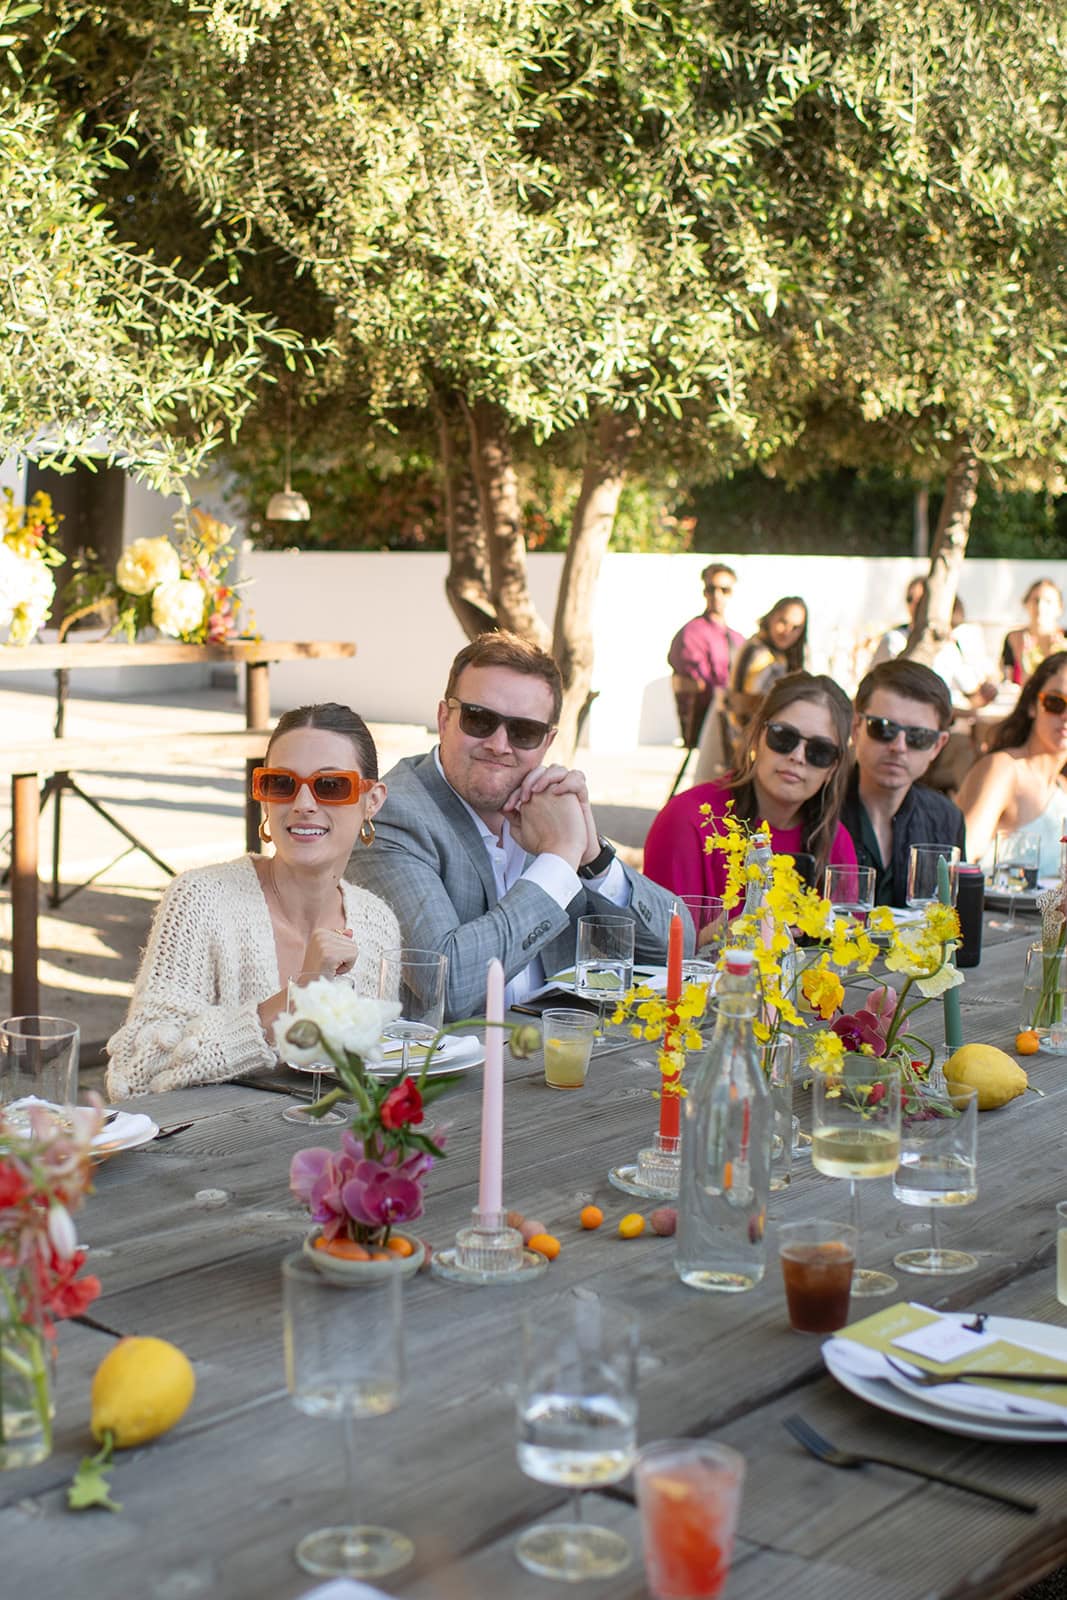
(392, 604)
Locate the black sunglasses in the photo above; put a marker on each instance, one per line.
(783, 738)
(884, 731)
(481, 723)
(1054, 703)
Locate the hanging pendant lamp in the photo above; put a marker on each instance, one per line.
(287, 505)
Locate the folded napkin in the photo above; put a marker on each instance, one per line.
(863, 1362)
(126, 1128)
(451, 1048)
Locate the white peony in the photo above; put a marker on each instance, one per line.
(147, 563)
(27, 589)
(348, 1022)
(178, 608)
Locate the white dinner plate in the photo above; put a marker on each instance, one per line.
(920, 1406)
(123, 1130)
(458, 1053)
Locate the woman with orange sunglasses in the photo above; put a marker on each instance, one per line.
(226, 939)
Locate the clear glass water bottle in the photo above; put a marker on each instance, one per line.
(727, 1122)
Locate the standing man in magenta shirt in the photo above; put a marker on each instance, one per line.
(702, 653)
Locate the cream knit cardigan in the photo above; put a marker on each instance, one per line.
(209, 961)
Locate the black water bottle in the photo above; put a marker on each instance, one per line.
(970, 903)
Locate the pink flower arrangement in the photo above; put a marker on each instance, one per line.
(374, 1181)
(352, 1193)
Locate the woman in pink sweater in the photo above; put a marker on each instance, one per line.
(791, 773)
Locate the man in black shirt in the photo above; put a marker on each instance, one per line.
(903, 713)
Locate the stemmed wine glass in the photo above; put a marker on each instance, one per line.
(1016, 859)
(856, 1135)
(603, 963)
(302, 1114)
(577, 1426)
(344, 1358)
(417, 979)
(938, 1166)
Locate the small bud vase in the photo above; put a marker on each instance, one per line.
(26, 1402)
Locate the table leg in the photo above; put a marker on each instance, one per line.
(25, 819)
(257, 715)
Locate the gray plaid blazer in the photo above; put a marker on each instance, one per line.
(429, 863)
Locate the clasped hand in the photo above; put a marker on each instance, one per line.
(549, 813)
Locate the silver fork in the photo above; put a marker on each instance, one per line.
(823, 1450)
(931, 1380)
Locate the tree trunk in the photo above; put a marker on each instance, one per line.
(498, 495)
(921, 522)
(467, 584)
(572, 645)
(933, 620)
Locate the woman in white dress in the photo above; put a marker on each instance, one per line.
(1019, 786)
(226, 939)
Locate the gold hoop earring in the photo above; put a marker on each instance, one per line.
(264, 833)
(366, 831)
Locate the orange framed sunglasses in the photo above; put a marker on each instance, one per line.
(329, 788)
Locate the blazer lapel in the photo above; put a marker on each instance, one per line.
(447, 801)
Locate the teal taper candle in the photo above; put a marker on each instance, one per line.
(951, 997)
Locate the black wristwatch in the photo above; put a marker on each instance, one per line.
(600, 863)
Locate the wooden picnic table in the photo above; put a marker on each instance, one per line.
(216, 1507)
(57, 757)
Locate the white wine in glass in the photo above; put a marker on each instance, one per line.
(856, 1135)
(577, 1427)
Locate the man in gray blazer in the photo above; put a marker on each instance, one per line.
(484, 851)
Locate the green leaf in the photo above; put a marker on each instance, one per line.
(89, 1486)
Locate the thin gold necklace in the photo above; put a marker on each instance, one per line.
(281, 903)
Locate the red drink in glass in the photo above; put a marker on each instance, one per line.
(689, 1493)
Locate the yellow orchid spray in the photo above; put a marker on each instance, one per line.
(779, 906)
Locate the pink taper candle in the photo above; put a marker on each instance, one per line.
(491, 1172)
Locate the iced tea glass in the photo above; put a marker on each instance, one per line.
(689, 1495)
(817, 1261)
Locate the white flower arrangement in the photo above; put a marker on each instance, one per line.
(342, 1023)
(27, 556)
(179, 589)
(145, 564)
(178, 607)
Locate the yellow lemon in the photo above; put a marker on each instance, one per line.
(992, 1072)
(140, 1389)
